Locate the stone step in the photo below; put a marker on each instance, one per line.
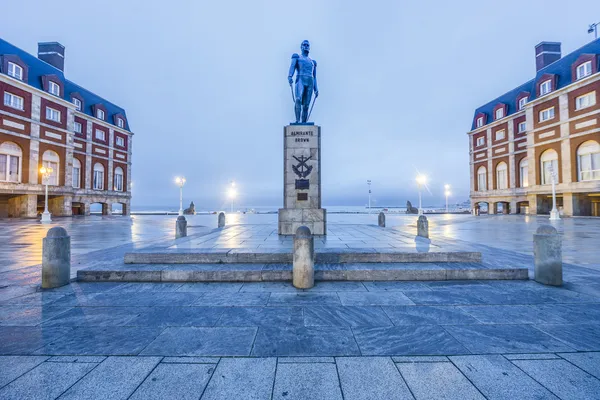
(283, 272)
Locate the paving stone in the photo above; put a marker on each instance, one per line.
(46, 381)
(374, 299)
(338, 286)
(85, 287)
(589, 362)
(28, 315)
(296, 360)
(269, 287)
(175, 381)
(514, 314)
(577, 313)
(583, 337)
(242, 378)
(34, 299)
(428, 315)
(303, 298)
(233, 299)
(10, 292)
(191, 360)
(410, 359)
(562, 378)
(144, 287)
(115, 378)
(23, 340)
(162, 317)
(437, 381)
(190, 341)
(532, 356)
(446, 297)
(370, 378)
(391, 286)
(110, 299)
(77, 359)
(407, 340)
(307, 381)
(498, 378)
(345, 316)
(482, 339)
(94, 316)
(11, 367)
(220, 287)
(261, 316)
(304, 341)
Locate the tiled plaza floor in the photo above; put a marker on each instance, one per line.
(339, 340)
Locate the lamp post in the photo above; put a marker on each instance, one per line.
(180, 181)
(421, 180)
(594, 28)
(447, 193)
(554, 215)
(232, 194)
(46, 172)
(369, 183)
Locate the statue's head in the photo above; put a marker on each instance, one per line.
(305, 46)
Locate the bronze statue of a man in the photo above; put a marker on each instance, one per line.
(306, 81)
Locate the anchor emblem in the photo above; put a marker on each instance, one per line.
(301, 169)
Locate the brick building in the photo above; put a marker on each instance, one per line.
(550, 123)
(47, 120)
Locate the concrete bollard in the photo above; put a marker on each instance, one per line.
(180, 227)
(547, 252)
(381, 219)
(423, 227)
(221, 220)
(56, 258)
(303, 268)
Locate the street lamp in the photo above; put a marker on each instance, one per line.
(594, 28)
(447, 193)
(554, 215)
(232, 194)
(369, 183)
(46, 172)
(421, 181)
(180, 181)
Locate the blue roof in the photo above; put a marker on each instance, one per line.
(38, 68)
(561, 68)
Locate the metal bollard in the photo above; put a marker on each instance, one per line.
(303, 268)
(547, 252)
(180, 227)
(221, 221)
(381, 219)
(56, 258)
(423, 227)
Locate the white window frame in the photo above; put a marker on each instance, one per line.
(546, 116)
(524, 173)
(120, 141)
(100, 114)
(502, 136)
(98, 177)
(120, 123)
(481, 172)
(54, 88)
(77, 124)
(549, 157)
(545, 87)
(480, 141)
(76, 174)
(584, 69)
(479, 122)
(118, 184)
(13, 73)
(522, 102)
(593, 157)
(502, 176)
(52, 114)
(499, 113)
(51, 159)
(78, 104)
(585, 101)
(103, 136)
(10, 154)
(11, 100)
(522, 124)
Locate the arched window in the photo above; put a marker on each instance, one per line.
(10, 162)
(501, 176)
(98, 176)
(51, 160)
(588, 161)
(524, 172)
(549, 164)
(481, 179)
(76, 173)
(119, 179)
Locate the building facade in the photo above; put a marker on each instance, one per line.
(47, 120)
(548, 128)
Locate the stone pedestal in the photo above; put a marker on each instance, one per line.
(56, 258)
(302, 180)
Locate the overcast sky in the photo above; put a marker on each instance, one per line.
(204, 84)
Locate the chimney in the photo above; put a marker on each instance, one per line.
(53, 53)
(546, 53)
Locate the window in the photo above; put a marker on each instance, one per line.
(100, 135)
(547, 114)
(119, 179)
(584, 70)
(77, 103)
(546, 87)
(501, 176)
(98, 176)
(76, 173)
(524, 173)
(13, 101)
(77, 127)
(522, 102)
(120, 141)
(10, 162)
(588, 161)
(481, 179)
(499, 113)
(16, 71)
(479, 122)
(549, 163)
(500, 134)
(52, 114)
(480, 141)
(54, 88)
(100, 114)
(522, 127)
(120, 122)
(51, 160)
(587, 100)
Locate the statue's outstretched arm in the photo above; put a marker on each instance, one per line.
(315, 78)
(292, 68)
